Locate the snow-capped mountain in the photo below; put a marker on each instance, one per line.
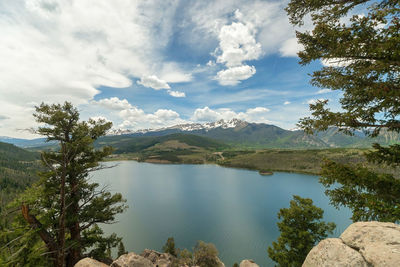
(239, 133)
(187, 127)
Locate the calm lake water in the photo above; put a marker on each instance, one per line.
(232, 208)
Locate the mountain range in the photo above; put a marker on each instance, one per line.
(239, 133)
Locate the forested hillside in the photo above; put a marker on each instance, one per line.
(18, 169)
(129, 144)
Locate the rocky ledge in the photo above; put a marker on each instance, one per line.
(148, 258)
(361, 244)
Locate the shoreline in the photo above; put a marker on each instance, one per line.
(261, 172)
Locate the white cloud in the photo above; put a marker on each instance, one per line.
(286, 102)
(290, 47)
(135, 118)
(176, 93)
(2, 117)
(64, 50)
(257, 110)
(205, 114)
(57, 50)
(257, 114)
(268, 20)
(336, 62)
(210, 63)
(172, 73)
(234, 75)
(154, 82)
(314, 101)
(237, 43)
(324, 91)
(113, 103)
(166, 114)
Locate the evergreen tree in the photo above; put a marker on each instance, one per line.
(169, 247)
(362, 58)
(205, 255)
(121, 249)
(64, 208)
(301, 228)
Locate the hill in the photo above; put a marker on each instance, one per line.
(236, 133)
(173, 148)
(18, 169)
(24, 143)
(132, 144)
(242, 134)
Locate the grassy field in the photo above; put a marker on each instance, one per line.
(266, 160)
(301, 161)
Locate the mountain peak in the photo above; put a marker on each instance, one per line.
(232, 123)
(187, 127)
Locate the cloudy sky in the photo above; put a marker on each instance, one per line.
(149, 64)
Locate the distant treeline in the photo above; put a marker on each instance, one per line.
(18, 170)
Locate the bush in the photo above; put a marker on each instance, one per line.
(169, 247)
(205, 254)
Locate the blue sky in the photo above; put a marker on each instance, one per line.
(150, 64)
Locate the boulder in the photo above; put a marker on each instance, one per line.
(132, 260)
(361, 244)
(379, 243)
(220, 263)
(333, 252)
(157, 258)
(248, 263)
(88, 262)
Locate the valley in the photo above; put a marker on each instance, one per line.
(234, 133)
(234, 143)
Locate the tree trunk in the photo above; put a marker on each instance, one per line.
(75, 252)
(44, 235)
(61, 230)
(61, 223)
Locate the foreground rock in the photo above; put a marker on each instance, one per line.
(132, 260)
(88, 262)
(157, 258)
(148, 258)
(248, 263)
(361, 244)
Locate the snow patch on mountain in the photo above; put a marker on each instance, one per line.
(187, 127)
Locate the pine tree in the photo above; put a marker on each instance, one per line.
(363, 61)
(121, 249)
(301, 228)
(169, 247)
(64, 208)
(362, 58)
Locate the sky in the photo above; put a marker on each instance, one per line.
(151, 64)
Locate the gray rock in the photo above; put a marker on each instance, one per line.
(157, 258)
(378, 242)
(361, 244)
(334, 253)
(220, 263)
(132, 260)
(88, 262)
(248, 263)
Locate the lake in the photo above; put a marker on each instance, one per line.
(234, 209)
